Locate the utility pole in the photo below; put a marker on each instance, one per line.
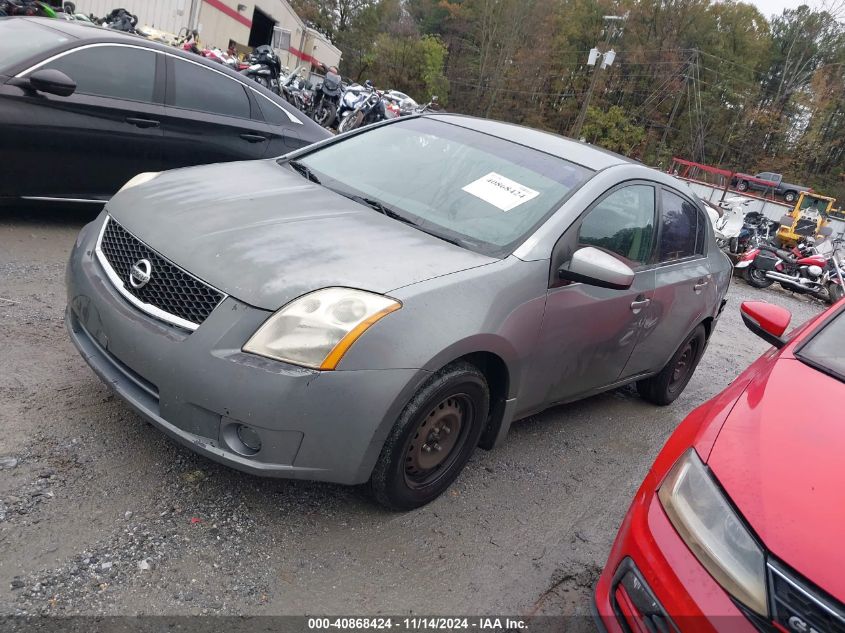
(607, 58)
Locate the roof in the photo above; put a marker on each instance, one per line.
(589, 156)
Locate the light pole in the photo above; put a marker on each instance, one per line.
(606, 58)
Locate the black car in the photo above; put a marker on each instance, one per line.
(83, 109)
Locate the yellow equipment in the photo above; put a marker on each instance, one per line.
(810, 214)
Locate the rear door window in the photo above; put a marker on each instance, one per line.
(681, 231)
(199, 88)
(118, 72)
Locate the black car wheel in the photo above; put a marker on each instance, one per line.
(790, 196)
(742, 186)
(756, 277)
(834, 292)
(666, 386)
(433, 438)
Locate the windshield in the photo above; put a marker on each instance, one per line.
(21, 39)
(482, 192)
(826, 349)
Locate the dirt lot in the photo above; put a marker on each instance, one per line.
(100, 513)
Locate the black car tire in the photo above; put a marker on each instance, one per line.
(756, 277)
(665, 387)
(457, 395)
(834, 292)
(742, 186)
(790, 196)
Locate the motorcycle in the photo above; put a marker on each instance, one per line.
(265, 68)
(728, 227)
(834, 274)
(29, 8)
(801, 269)
(369, 109)
(327, 100)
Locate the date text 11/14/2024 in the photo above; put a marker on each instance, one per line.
(418, 623)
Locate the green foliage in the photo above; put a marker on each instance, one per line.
(710, 80)
(612, 129)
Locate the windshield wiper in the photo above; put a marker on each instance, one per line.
(302, 169)
(380, 207)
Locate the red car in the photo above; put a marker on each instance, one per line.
(740, 523)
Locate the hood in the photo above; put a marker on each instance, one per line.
(265, 235)
(779, 458)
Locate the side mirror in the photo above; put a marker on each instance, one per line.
(594, 267)
(766, 320)
(53, 82)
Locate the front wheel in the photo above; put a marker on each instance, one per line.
(756, 277)
(666, 386)
(325, 114)
(350, 121)
(742, 186)
(433, 438)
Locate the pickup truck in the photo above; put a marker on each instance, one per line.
(766, 182)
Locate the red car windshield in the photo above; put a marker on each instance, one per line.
(826, 348)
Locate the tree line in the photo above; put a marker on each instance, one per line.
(714, 82)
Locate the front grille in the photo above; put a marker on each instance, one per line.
(171, 291)
(799, 606)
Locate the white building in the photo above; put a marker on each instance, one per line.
(249, 23)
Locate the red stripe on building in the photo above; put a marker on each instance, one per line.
(230, 12)
(303, 56)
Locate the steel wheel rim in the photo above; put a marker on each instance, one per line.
(683, 367)
(438, 440)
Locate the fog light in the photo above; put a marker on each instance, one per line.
(249, 437)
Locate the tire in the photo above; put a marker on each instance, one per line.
(790, 196)
(350, 122)
(325, 114)
(756, 277)
(409, 474)
(666, 386)
(742, 186)
(835, 292)
(733, 245)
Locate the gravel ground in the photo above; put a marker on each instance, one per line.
(101, 514)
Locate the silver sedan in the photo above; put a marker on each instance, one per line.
(373, 307)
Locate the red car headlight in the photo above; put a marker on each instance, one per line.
(705, 520)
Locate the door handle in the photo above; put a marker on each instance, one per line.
(142, 123)
(639, 304)
(700, 285)
(253, 138)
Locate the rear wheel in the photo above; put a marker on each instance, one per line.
(666, 386)
(433, 438)
(756, 277)
(835, 292)
(790, 196)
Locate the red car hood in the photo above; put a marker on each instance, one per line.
(781, 458)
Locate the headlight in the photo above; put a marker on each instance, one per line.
(140, 179)
(715, 534)
(317, 329)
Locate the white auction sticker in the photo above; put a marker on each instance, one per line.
(503, 193)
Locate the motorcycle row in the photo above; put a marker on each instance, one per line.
(809, 267)
(332, 103)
